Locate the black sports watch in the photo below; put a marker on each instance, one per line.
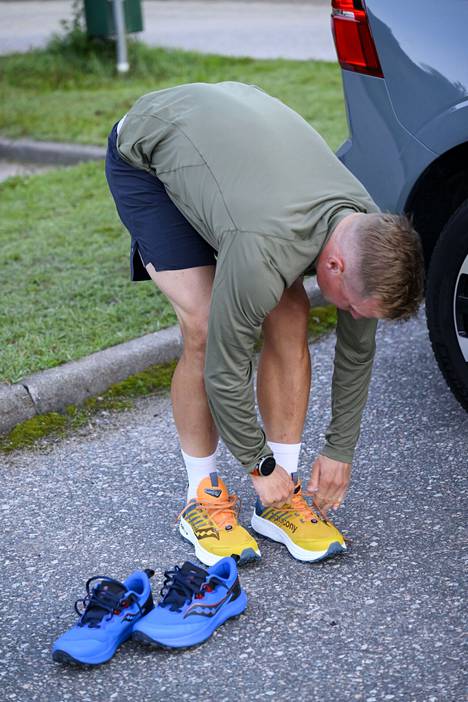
(265, 466)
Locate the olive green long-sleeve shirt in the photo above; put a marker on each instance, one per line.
(263, 188)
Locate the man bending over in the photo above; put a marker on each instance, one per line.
(230, 197)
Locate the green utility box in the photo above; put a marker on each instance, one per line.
(99, 16)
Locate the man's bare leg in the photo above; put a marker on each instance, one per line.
(284, 369)
(189, 292)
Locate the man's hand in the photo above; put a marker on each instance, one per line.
(274, 489)
(329, 482)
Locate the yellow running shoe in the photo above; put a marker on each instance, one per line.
(210, 523)
(306, 535)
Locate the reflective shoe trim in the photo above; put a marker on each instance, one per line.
(275, 533)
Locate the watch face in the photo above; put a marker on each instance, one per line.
(267, 466)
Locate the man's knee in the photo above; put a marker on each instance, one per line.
(189, 292)
(194, 330)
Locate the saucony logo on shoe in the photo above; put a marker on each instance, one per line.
(213, 492)
(212, 596)
(210, 522)
(297, 525)
(207, 533)
(209, 610)
(129, 617)
(284, 522)
(289, 525)
(204, 530)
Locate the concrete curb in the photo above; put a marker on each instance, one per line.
(48, 152)
(72, 383)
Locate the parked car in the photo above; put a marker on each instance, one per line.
(405, 79)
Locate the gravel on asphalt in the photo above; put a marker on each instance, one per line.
(383, 622)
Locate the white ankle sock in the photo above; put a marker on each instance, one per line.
(197, 469)
(287, 455)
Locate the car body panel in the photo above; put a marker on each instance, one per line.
(405, 123)
(408, 144)
(381, 152)
(422, 47)
(447, 129)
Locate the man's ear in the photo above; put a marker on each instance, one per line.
(335, 264)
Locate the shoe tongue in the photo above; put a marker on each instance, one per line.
(184, 583)
(190, 569)
(296, 481)
(106, 590)
(212, 488)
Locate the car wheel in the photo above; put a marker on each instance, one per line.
(447, 303)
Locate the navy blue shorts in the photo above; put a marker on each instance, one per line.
(159, 232)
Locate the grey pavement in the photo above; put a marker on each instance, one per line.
(10, 168)
(383, 622)
(298, 30)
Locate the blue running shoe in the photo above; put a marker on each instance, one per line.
(111, 610)
(194, 602)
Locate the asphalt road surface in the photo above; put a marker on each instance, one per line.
(297, 30)
(383, 622)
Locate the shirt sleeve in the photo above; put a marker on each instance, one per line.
(246, 288)
(354, 357)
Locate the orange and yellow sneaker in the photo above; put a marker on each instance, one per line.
(209, 522)
(305, 533)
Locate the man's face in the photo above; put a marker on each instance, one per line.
(339, 292)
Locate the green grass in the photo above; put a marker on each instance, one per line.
(69, 92)
(153, 381)
(64, 274)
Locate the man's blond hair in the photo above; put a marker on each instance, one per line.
(390, 263)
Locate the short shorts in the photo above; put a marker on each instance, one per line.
(159, 232)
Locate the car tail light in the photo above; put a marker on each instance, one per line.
(353, 39)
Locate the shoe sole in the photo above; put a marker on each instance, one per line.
(236, 608)
(274, 533)
(60, 656)
(248, 555)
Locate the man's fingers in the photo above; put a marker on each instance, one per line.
(326, 502)
(339, 498)
(328, 483)
(313, 484)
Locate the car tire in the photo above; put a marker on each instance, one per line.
(447, 303)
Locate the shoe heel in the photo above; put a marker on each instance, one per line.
(237, 607)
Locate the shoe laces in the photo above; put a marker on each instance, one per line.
(299, 504)
(318, 511)
(101, 601)
(183, 584)
(223, 512)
